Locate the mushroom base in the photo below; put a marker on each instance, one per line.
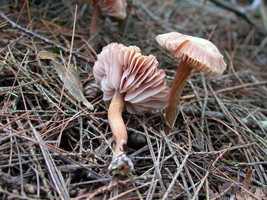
(121, 165)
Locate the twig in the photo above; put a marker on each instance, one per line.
(85, 171)
(8, 179)
(206, 175)
(237, 11)
(224, 175)
(204, 107)
(55, 174)
(156, 18)
(240, 86)
(11, 194)
(176, 160)
(155, 161)
(40, 172)
(47, 41)
(194, 112)
(175, 177)
(105, 188)
(131, 190)
(251, 164)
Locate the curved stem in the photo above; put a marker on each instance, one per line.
(116, 122)
(178, 84)
(94, 25)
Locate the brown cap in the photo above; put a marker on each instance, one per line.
(115, 8)
(196, 52)
(125, 70)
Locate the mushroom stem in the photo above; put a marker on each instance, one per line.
(116, 122)
(121, 163)
(178, 84)
(94, 25)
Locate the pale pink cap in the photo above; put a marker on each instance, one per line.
(196, 52)
(115, 8)
(125, 70)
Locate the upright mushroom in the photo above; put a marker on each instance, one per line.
(115, 8)
(194, 53)
(132, 81)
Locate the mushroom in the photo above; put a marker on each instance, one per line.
(115, 8)
(194, 53)
(132, 82)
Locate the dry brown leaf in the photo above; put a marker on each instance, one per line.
(259, 193)
(247, 181)
(73, 82)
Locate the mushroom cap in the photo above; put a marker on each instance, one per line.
(115, 8)
(125, 70)
(196, 52)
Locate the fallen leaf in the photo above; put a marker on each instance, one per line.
(259, 193)
(247, 181)
(73, 83)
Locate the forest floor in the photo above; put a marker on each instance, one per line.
(52, 146)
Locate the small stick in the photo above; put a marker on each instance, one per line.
(236, 11)
(240, 86)
(47, 41)
(191, 111)
(94, 25)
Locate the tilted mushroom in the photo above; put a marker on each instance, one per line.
(194, 53)
(115, 8)
(132, 81)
